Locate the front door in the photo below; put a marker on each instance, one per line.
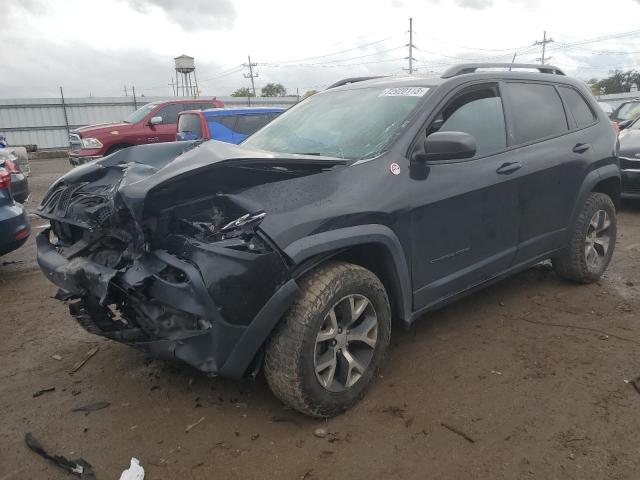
(464, 224)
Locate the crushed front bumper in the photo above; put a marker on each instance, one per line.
(214, 315)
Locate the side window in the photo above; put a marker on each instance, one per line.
(578, 107)
(190, 124)
(248, 124)
(537, 111)
(170, 113)
(478, 112)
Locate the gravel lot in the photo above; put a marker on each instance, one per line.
(531, 370)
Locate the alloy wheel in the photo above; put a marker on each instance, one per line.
(598, 239)
(345, 343)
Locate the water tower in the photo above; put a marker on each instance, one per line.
(186, 81)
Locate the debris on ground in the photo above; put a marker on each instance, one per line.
(44, 390)
(56, 357)
(92, 407)
(458, 432)
(134, 472)
(320, 432)
(635, 383)
(189, 427)
(79, 467)
(78, 365)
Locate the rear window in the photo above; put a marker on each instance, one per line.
(578, 107)
(227, 121)
(190, 124)
(248, 124)
(537, 111)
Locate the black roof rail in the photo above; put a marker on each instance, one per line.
(347, 81)
(472, 67)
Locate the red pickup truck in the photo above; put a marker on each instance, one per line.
(153, 123)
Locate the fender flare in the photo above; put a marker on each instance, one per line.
(335, 240)
(590, 181)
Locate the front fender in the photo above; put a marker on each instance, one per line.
(335, 240)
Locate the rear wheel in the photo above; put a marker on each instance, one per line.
(592, 241)
(327, 348)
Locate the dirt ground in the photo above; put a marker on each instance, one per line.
(531, 370)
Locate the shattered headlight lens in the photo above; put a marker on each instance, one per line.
(249, 218)
(91, 143)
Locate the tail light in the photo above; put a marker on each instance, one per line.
(11, 167)
(5, 179)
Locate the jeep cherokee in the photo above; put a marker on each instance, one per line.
(375, 199)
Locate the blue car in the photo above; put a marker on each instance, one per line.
(14, 226)
(230, 125)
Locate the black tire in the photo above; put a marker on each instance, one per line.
(292, 350)
(572, 263)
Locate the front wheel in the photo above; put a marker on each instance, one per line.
(327, 348)
(592, 241)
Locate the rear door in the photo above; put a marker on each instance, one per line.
(554, 154)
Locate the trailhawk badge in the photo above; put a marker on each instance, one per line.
(395, 168)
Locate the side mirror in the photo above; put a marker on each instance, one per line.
(624, 124)
(447, 146)
(155, 120)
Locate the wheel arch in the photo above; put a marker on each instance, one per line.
(374, 247)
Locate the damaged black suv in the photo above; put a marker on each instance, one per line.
(375, 199)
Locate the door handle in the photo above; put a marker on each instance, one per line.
(581, 147)
(509, 167)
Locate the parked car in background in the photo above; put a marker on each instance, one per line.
(230, 125)
(626, 112)
(629, 139)
(19, 184)
(382, 198)
(14, 226)
(153, 123)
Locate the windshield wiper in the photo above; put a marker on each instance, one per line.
(318, 154)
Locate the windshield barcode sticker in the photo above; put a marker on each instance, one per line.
(404, 92)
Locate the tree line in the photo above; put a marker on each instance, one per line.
(269, 90)
(618, 81)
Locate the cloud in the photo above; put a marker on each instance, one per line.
(475, 4)
(194, 14)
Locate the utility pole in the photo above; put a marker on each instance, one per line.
(544, 42)
(135, 100)
(251, 75)
(125, 91)
(411, 47)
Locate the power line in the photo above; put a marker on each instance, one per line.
(359, 47)
(330, 62)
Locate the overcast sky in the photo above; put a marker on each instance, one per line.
(95, 47)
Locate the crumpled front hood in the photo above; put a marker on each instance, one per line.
(156, 176)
